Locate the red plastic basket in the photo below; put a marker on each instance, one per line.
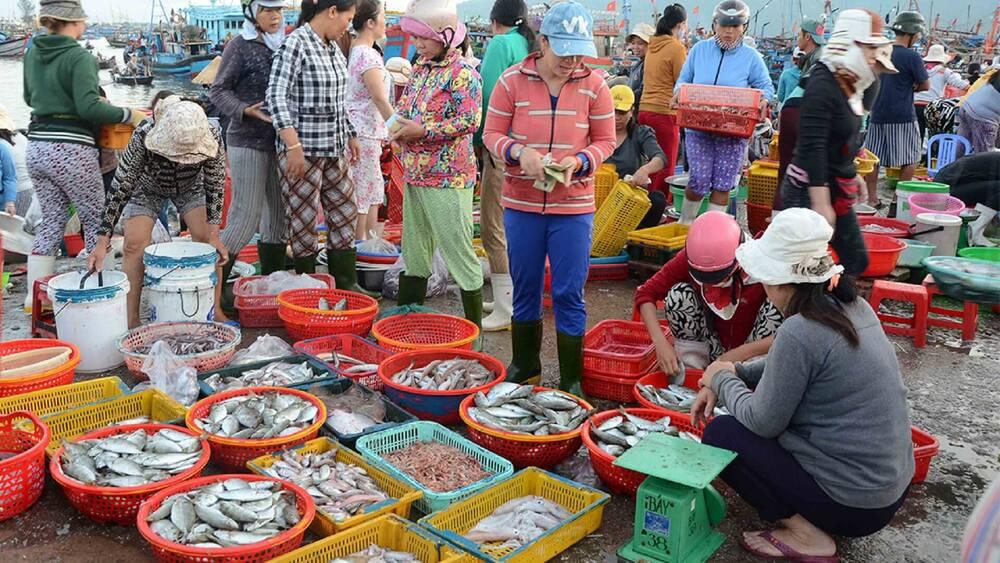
(232, 454)
(610, 387)
(900, 229)
(170, 552)
(349, 345)
(74, 244)
(925, 447)
(62, 375)
(758, 217)
(298, 309)
(421, 331)
(618, 348)
(607, 272)
(660, 379)
(520, 449)
(620, 480)
(22, 476)
(119, 505)
(203, 362)
(723, 110)
(883, 254)
(393, 232)
(394, 191)
(249, 254)
(261, 311)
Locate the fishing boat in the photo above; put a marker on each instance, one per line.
(105, 63)
(132, 80)
(13, 47)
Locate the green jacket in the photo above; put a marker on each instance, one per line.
(61, 87)
(502, 52)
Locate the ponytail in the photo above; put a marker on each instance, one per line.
(312, 7)
(514, 13)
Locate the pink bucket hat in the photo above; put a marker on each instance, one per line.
(434, 19)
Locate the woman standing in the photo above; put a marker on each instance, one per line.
(315, 138)
(551, 110)
(979, 116)
(61, 87)
(512, 40)
(439, 112)
(939, 78)
(368, 109)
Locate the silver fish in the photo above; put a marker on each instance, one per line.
(445, 375)
(376, 553)
(254, 416)
(518, 521)
(184, 344)
(519, 409)
(274, 374)
(674, 397)
(130, 459)
(621, 432)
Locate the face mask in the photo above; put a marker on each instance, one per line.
(723, 298)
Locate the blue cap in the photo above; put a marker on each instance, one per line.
(569, 27)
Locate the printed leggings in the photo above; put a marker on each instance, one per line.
(327, 177)
(688, 321)
(257, 202)
(64, 174)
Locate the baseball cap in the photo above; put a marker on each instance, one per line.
(815, 30)
(623, 97)
(568, 26)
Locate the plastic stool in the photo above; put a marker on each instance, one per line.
(43, 319)
(969, 314)
(916, 326)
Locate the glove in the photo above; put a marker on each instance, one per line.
(137, 116)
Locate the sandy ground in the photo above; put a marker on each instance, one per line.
(953, 395)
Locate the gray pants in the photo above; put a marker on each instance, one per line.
(256, 204)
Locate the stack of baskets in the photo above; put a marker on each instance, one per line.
(762, 184)
(58, 375)
(620, 214)
(615, 355)
(261, 311)
(656, 245)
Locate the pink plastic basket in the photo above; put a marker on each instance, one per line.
(935, 203)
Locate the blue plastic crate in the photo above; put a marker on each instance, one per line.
(317, 366)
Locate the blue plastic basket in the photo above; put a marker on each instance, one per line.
(620, 259)
(394, 414)
(373, 446)
(317, 368)
(955, 283)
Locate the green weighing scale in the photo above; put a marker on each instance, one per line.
(676, 507)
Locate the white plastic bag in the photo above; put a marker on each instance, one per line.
(266, 347)
(169, 374)
(282, 280)
(376, 245)
(437, 284)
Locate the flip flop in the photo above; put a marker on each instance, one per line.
(787, 553)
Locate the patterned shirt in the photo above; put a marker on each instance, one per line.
(307, 90)
(141, 170)
(241, 83)
(361, 109)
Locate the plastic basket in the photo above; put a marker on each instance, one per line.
(604, 180)
(622, 348)
(421, 331)
(323, 375)
(774, 147)
(320, 349)
(620, 480)
(374, 446)
(660, 380)
(883, 254)
(585, 504)
(990, 254)
(670, 237)
(114, 136)
(232, 454)
(925, 448)
(620, 214)
(146, 335)
(394, 414)
(609, 387)
(648, 254)
(170, 552)
(303, 320)
(900, 229)
(62, 375)
(607, 272)
(249, 254)
(866, 162)
(524, 450)
(261, 311)
(723, 110)
(390, 531)
(762, 182)
(55, 400)
(948, 273)
(394, 191)
(758, 217)
(22, 476)
(119, 505)
(935, 203)
(431, 404)
(401, 495)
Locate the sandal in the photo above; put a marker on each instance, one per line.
(787, 553)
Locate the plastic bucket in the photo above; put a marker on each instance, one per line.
(678, 193)
(914, 253)
(905, 189)
(945, 240)
(92, 318)
(180, 281)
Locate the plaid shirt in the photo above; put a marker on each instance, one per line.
(307, 90)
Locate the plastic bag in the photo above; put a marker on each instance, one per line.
(169, 374)
(375, 245)
(437, 284)
(33, 217)
(160, 233)
(282, 280)
(266, 347)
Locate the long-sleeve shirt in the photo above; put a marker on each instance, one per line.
(939, 77)
(828, 133)
(306, 91)
(840, 411)
(638, 148)
(502, 52)
(142, 170)
(663, 63)
(8, 174)
(787, 82)
(740, 67)
(240, 83)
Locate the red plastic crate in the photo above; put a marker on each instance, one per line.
(925, 447)
(619, 349)
(722, 110)
(349, 345)
(612, 388)
(261, 311)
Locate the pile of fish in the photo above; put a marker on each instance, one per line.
(130, 460)
(674, 397)
(324, 305)
(259, 417)
(879, 229)
(445, 375)
(378, 554)
(352, 411)
(347, 364)
(275, 374)
(225, 514)
(518, 522)
(340, 489)
(186, 344)
(622, 431)
(439, 467)
(519, 409)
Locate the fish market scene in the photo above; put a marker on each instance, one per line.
(457, 281)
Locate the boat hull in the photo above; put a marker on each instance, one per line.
(134, 80)
(188, 65)
(13, 47)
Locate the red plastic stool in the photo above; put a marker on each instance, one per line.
(969, 314)
(916, 326)
(43, 319)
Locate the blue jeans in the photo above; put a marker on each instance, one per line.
(565, 240)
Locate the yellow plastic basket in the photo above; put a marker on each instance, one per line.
(762, 182)
(152, 403)
(604, 180)
(774, 147)
(55, 400)
(665, 237)
(402, 496)
(389, 531)
(620, 214)
(866, 164)
(586, 504)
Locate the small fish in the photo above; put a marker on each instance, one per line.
(275, 374)
(341, 305)
(519, 409)
(378, 554)
(437, 466)
(323, 304)
(518, 521)
(624, 430)
(446, 375)
(259, 416)
(674, 397)
(130, 459)
(185, 344)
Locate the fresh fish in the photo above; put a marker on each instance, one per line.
(519, 409)
(445, 375)
(346, 423)
(439, 467)
(341, 305)
(518, 522)
(130, 459)
(185, 344)
(352, 411)
(674, 397)
(253, 416)
(361, 368)
(275, 374)
(621, 432)
(378, 554)
(323, 304)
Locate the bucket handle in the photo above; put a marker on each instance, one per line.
(100, 278)
(197, 306)
(928, 231)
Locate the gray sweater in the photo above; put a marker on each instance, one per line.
(840, 411)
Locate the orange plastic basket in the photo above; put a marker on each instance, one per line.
(114, 136)
(22, 476)
(170, 552)
(610, 387)
(723, 110)
(420, 331)
(299, 310)
(232, 454)
(261, 311)
(349, 345)
(119, 505)
(62, 375)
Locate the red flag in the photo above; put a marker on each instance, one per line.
(621, 24)
(694, 10)
(611, 7)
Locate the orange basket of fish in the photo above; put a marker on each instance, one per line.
(23, 436)
(311, 313)
(420, 331)
(539, 444)
(118, 504)
(226, 423)
(239, 545)
(18, 364)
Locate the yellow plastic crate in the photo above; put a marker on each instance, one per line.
(586, 504)
(604, 180)
(666, 237)
(151, 403)
(762, 182)
(774, 147)
(55, 400)
(389, 531)
(620, 214)
(402, 496)
(866, 164)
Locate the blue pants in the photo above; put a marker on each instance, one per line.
(565, 240)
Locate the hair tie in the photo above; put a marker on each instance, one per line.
(518, 21)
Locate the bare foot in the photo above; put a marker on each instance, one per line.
(219, 316)
(799, 535)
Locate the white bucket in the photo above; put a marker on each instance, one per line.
(179, 260)
(92, 318)
(945, 240)
(180, 281)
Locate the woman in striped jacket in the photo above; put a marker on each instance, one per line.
(551, 110)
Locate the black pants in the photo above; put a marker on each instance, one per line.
(772, 481)
(788, 136)
(655, 214)
(921, 119)
(847, 239)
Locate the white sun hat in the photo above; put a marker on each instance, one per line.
(793, 249)
(937, 54)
